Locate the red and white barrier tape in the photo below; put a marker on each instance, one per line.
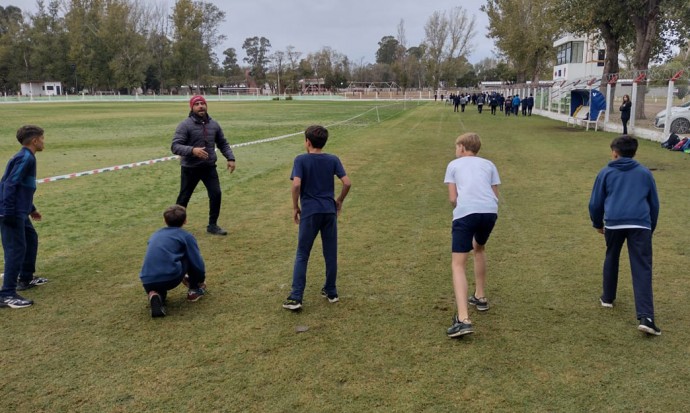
(149, 162)
(170, 158)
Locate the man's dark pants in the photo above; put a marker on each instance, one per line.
(190, 178)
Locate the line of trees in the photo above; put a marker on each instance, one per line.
(139, 45)
(132, 45)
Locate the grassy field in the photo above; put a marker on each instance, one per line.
(89, 344)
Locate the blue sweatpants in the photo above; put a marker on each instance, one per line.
(20, 247)
(640, 253)
(309, 228)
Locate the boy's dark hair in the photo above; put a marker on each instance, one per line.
(175, 216)
(625, 146)
(317, 135)
(27, 132)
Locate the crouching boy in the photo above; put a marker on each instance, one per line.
(172, 257)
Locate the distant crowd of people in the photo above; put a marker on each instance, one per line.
(509, 105)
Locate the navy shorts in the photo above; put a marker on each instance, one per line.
(469, 227)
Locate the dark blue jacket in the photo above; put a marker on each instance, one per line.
(18, 185)
(624, 193)
(172, 252)
(197, 132)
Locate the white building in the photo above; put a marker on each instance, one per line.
(578, 57)
(35, 89)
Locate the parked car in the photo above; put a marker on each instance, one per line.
(680, 118)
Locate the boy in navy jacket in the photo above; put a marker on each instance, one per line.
(625, 206)
(172, 257)
(19, 238)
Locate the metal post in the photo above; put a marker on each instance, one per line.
(632, 109)
(669, 104)
(608, 107)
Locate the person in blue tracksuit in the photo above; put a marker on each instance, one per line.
(19, 238)
(172, 258)
(316, 209)
(624, 206)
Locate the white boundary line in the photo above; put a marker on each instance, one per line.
(170, 158)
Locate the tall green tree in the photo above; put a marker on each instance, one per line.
(524, 32)
(88, 53)
(387, 51)
(195, 35)
(122, 31)
(47, 44)
(257, 49)
(11, 57)
(159, 46)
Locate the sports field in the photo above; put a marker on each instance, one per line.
(90, 345)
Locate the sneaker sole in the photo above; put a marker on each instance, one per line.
(157, 309)
(460, 333)
(480, 307)
(194, 299)
(17, 306)
(605, 304)
(648, 330)
(292, 307)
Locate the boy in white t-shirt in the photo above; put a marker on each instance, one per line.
(473, 192)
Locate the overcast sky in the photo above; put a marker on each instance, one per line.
(351, 27)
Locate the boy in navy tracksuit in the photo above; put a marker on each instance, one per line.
(19, 238)
(313, 189)
(172, 257)
(625, 206)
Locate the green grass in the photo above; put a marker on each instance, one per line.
(89, 344)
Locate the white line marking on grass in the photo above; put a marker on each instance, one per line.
(170, 158)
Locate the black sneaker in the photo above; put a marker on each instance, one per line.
(25, 285)
(459, 328)
(157, 307)
(482, 303)
(292, 304)
(331, 298)
(15, 301)
(647, 326)
(216, 230)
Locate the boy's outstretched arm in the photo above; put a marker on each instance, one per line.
(296, 189)
(343, 193)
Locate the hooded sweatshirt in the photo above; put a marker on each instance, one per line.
(624, 193)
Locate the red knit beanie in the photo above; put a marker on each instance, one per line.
(195, 99)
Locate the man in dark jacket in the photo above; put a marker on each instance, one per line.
(195, 142)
